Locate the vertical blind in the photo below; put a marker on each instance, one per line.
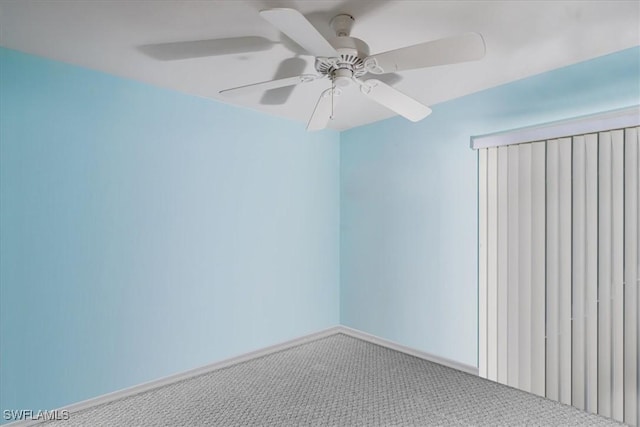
(559, 268)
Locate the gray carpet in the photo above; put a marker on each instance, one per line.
(338, 380)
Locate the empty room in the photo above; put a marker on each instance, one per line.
(319, 212)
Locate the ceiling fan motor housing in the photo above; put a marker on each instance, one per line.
(352, 52)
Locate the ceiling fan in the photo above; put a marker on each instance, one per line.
(345, 60)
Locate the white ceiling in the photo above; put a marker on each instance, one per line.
(522, 37)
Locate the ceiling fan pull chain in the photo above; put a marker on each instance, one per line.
(333, 89)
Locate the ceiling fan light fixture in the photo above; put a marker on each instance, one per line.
(342, 77)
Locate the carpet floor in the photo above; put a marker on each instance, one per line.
(333, 381)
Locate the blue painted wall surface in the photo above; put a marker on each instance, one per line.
(409, 202)
(145, 232)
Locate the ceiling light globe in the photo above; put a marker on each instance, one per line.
(342, 77)
(342, 81)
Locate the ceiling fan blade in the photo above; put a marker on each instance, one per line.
(451, 50)
(202, 48)
(271, 84)
(299, 29)
(394, 100)
(322, 111)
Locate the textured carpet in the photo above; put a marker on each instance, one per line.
(338, 380)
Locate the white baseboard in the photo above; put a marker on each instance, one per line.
(119, 394)
(407, 350)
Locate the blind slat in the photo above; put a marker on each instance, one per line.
(538, 239)
(630, 274)
(503, 271)
(638, 278)
(579, 202)
(492, 263)
(524, 265)
(591, 274)
(564, 256)
(553, 271)
(617, 276)
(513, 316)
(482, 263)
(605, 225)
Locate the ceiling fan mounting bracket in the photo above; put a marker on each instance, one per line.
(342, 24)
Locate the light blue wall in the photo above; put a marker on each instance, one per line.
(145, 232)
(409, 202)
